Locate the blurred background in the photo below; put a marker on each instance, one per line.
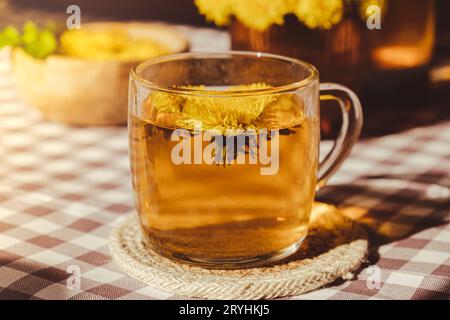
(401, 72)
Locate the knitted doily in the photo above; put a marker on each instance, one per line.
(335, 248)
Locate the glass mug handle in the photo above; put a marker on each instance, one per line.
(351, 127)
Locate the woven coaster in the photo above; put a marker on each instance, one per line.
(335, 248)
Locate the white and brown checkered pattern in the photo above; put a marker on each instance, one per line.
(62, 189)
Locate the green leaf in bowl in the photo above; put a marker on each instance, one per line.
(9, 36)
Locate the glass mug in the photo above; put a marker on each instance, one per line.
(224, 152)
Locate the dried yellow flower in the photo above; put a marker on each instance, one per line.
(261, 14)
(321, 14)
(109, 45)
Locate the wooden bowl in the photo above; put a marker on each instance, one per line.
(86, 92)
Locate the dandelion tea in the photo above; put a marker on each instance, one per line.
(228, 179)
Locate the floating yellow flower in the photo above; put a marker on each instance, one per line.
(321, 14)
(224, 115)
(261, 14)
(218, 11)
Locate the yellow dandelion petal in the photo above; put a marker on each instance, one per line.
(108, 45)
(261, 14)
(321, 14)
(217, 11)
(166, 102)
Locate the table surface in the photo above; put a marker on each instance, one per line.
(63, 189)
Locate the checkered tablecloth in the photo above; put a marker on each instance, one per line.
(63, 189)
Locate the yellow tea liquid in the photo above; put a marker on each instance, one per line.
(223, 213)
